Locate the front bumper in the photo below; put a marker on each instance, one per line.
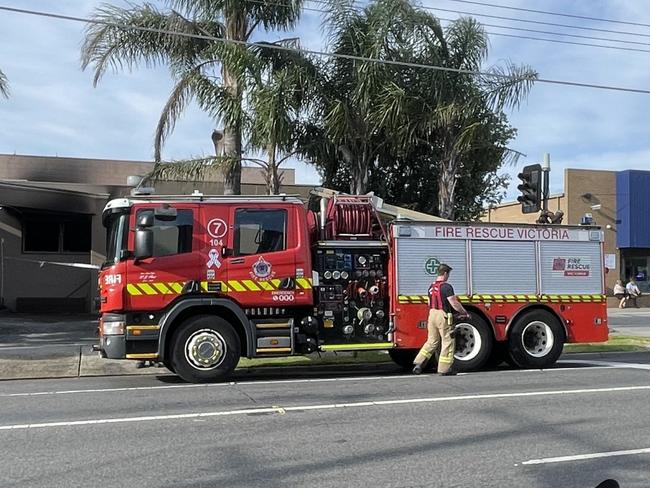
(113, 347)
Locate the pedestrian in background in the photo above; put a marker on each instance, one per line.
(621, 293)
(633, 292)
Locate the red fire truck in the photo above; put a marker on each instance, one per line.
(198, 282)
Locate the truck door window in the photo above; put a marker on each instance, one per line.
(260, 231)
(171, 236)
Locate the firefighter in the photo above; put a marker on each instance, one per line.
(440, 325)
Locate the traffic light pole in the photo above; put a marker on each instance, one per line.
(546, 170)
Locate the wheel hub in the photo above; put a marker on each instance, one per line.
(205, 349)
(537, 339)
(468, 342)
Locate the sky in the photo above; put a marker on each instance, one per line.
(54, 110)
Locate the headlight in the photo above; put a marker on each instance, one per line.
(113, 328)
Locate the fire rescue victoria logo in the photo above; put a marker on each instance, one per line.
(262, 270)
(431, 266)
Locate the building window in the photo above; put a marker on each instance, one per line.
(636, 263)
(260, 231)
(56, 233)
(171, 236)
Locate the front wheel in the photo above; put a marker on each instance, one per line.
(205, 348)
(474, 341)
(536, 340)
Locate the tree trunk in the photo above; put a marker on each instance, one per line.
(236, 27)
(447, 188)
(272, 176)
(359, 173)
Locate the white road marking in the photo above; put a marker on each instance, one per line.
(302, 408)
(581, 457)
(611, 364)
(274, 382)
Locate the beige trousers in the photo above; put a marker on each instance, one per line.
(439, 327)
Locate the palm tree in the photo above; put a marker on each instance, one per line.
(374, 112)
(214, 73)
(279, 100)
(4, 85)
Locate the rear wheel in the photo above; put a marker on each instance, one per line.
(474, 343)
(536, 340)
(205, 348)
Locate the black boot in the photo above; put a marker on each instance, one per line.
(417, 369)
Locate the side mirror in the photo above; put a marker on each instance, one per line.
(143, 243)
(145, 220)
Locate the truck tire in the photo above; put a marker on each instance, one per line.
(403, 357)
(499, 355)
(536, 340)
(205, 348)
(474, 342)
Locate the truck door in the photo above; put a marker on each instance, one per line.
(261, 260)
(154, 282)
(216, 230)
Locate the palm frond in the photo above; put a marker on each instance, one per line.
(4, 85)
(511, 87)
(180, 96)
(107, 45)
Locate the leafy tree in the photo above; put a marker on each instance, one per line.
(421, 130)
(214, 73)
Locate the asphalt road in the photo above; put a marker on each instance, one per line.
(568, 427)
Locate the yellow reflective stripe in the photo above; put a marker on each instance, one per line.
(276, 283)
(204, 285)
(304, 283)
(142, 355)
(145, 287)
(250, 285)
(162, 288)
(177, 287)
(133, 290)
(352, 347)
(235, 285)
(265, 285)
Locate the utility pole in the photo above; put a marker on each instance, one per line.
(546, 170)
(546, 216)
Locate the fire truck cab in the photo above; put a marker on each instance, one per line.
(198, 282)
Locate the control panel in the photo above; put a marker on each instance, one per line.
(352, 294)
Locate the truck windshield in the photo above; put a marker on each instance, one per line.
(116, 234)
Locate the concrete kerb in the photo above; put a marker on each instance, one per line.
(64, 362)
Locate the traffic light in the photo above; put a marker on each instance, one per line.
(530, 188)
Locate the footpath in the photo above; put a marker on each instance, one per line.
(37, 346)
(60, 346)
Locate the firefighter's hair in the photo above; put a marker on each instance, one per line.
(443, 268)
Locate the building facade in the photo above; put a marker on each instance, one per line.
(50, 212)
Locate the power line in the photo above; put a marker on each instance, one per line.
(553, 33)
(514, 19)
(537, 22)
(313, 52)
(536, 31)
(547, 12)
(557, 41)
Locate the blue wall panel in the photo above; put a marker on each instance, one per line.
(633, 209)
